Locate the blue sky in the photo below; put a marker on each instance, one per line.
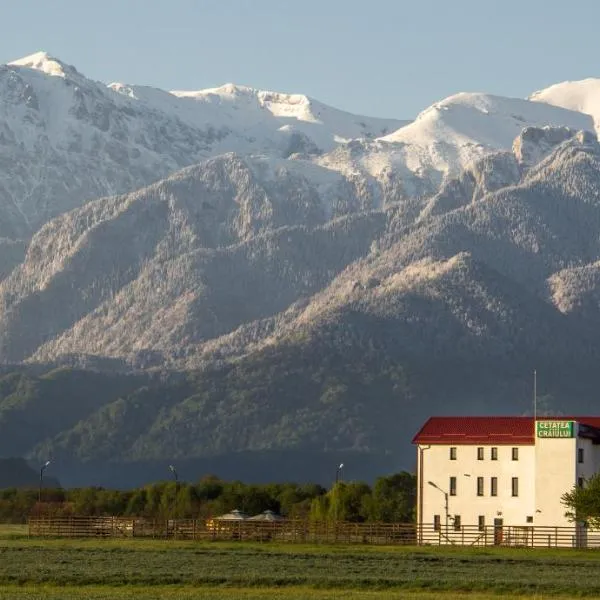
(378, 57)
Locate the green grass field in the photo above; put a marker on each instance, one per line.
(143, 569)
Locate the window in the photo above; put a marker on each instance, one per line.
(530, 519)
(481, 522)
(515, 454)
(480, 486)
(479, 453)
(494, 486)
(453, 486)
(515, 486)
(580, 482)
(437, 524)
(494, 453)
(579, 455)
(453, 453)
(457, 522)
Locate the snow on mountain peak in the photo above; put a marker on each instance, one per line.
(452, 133)
(582, 96)
(42, 61)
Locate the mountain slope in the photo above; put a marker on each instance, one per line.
(185, 260)
(347, 378)
(234, 241)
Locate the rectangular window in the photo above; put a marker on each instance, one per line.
(579, 455)
(515, 486)
(437, 524)
(453, 486)
(481, 522)
(479, 453)
(530, 519)
(494, 486)
(494, 453)
(453, 453)
(515, 454)
(457, 522)
(480, 486)
(580, 482)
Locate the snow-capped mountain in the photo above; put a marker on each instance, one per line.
(448, 136)
(65, 140)
(308, 265)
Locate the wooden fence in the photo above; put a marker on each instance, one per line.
(293, 531)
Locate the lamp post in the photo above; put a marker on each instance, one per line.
(338, 472)
(43, 468)
(445, 502)
(174, 507)
(176, 479)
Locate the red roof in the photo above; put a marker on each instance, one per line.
(487, 430)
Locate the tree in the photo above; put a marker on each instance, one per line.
(394, 498)
(583, 503)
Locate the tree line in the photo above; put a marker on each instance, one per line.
(390, 499)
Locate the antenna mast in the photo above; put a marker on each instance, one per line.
(534, 396)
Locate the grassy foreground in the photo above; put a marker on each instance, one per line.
(183, 593)
(144, 569)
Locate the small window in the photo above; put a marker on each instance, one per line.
(530, 519)
(579, 455)
(580, 482)
(453, 486)
(515, 486)
(494, 453)
(437, 524)
(457, 522)
(480, 486)
(494, 486)
(479, 453)
(481, 522)
(515, 454)
(453, 453)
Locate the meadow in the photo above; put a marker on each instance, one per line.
(103, 569)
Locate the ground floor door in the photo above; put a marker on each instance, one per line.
(498, 523)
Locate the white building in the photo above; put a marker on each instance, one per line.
(502, 471)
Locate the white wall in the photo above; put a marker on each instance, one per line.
(555, 474)
(437, 467)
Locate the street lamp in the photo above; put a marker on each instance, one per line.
(338, 472)
(176, 478)
(445, 502)
(43, 468)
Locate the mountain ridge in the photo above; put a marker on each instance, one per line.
(231, 271)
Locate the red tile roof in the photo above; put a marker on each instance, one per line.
(486, 430)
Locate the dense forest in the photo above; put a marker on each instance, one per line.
(286, 414)
(390, 499)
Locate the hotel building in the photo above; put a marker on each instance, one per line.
(502, 471)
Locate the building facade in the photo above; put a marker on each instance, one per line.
(502, 471)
